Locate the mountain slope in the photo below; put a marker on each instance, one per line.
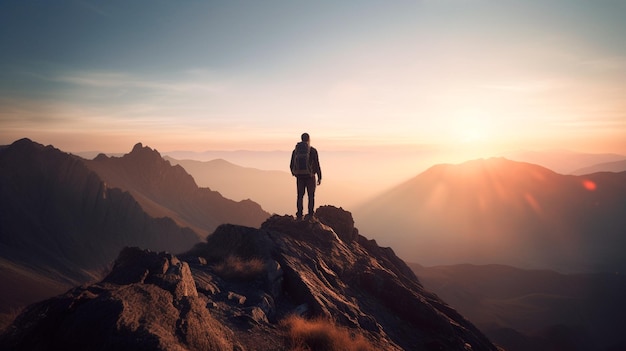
(63, 218)
(54, 209)
(274, 190)
(164, 190)
(530, 304)
(59, 222)
(501, 211)
(162, 302)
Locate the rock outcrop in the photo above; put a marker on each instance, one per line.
(148, 302)
(204, 300)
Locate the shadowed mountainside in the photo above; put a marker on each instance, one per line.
(57, 211)
(164, 190)
(533, 310)
(61, 223)
(501, 211)
(162, 302)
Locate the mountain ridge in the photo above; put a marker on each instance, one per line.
(563, 161)
(502, 211)
(615, 166)
(237, 182)
(319, 268)
(168, 190)
(61, 223)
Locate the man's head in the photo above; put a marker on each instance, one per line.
(305, 137)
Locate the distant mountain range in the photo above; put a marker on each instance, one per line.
(616, 167)
(274, 190)
(351, 177)
(64, 219)
(566, 162)
(164, 190)
(502, 211)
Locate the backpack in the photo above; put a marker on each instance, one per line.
(301, 164)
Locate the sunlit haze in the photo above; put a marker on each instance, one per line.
(452, 79)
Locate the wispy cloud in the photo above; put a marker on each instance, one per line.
(116, 80)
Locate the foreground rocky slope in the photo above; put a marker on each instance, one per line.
(200, 301)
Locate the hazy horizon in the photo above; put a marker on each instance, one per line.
(355, 175)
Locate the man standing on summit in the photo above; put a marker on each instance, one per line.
(305, 164)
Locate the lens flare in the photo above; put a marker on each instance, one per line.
(589, 185)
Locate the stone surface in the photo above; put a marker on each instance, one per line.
(163, 302)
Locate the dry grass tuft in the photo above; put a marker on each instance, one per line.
(322, 335)
(237, 268)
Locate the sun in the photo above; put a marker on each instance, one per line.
(471, 125)
(473, 134)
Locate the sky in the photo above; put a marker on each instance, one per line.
(462, 76)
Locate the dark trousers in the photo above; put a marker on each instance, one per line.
(308, 184)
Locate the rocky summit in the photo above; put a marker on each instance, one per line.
(236, 290)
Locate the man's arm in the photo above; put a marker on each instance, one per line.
(318, 169)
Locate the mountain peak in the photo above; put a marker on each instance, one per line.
(167, 190)
(490, 165)
(27, 145)
(236, 290)
(144, 152)
(502, 211)
(137, 146)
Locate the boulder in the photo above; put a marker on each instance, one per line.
(148, 302)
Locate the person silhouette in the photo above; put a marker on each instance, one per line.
(305, 165)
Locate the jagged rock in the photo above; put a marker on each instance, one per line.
(338, 219)
(309, 270)
(363, 286)
(237, 298)
(274, 281)
(164, 270)
(148, 302)
(255, 315)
